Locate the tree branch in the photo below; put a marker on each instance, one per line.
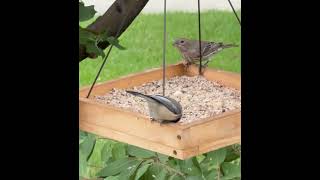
(111, 21)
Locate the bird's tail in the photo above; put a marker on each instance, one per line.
(229, 45)
(139, 94)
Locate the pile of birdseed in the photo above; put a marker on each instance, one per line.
(198, 97)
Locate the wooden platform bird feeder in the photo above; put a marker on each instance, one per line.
(181, 141)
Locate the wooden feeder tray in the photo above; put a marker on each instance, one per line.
(181, 141)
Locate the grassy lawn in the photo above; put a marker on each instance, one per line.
(144, 37)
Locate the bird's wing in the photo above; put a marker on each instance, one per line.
(207, 48)
(211, 48)
(142, 95)
(171, 104)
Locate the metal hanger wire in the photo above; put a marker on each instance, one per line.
(164, 47)
(106, 57)
(234, 12)
(199, 32)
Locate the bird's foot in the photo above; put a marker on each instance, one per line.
(152, 120)
(186, 65)
(162, 122)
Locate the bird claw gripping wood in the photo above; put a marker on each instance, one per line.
(152, 120)
(186, 64)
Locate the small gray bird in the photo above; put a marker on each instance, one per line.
(162, 109)
(189, 50)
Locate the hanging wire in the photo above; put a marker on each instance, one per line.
(95, 80)
(234, 12)
(164, 47)
(199, 28)
(106, 57)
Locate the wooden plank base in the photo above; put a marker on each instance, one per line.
(181, 141)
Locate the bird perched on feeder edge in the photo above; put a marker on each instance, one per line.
(189, 49)
(161, 108)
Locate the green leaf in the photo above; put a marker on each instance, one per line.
(86, 36)
(119, 151)
(213, 174)
(174, 163)
(112, 178)
(94, 162)
(86, 12)
(231, 157)
(198, 177)
(163, 158)
(155, 168)
(175, 177)
(162, 175)
(237, 178)
(128, 174)
(112, 40)
(106, 152)
(103, 36)
(82, 134)
(90, 41)
(148, 161)
(87, 146)
(141, 170)
(215, 158)
(237, 148)
(232, 154)
(188, 167)
(117, 166)
(200, 158)
(196, 163)
(83, 170)
(157, 172)
(93, 48)
(139, 152)
(230, 170)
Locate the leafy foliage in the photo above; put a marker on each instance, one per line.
(86, 147)
(141, 171)
(118, 161)
(140, 153)
(91, 39)
(86, 12)
(123, 166)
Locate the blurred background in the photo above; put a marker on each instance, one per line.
(156, 6)
(143, 39)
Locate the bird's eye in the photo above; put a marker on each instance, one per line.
(182, 41)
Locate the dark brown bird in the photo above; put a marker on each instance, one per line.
(189, 50)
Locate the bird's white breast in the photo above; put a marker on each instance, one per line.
(159, 112)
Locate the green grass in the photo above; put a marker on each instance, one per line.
(144, 42)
